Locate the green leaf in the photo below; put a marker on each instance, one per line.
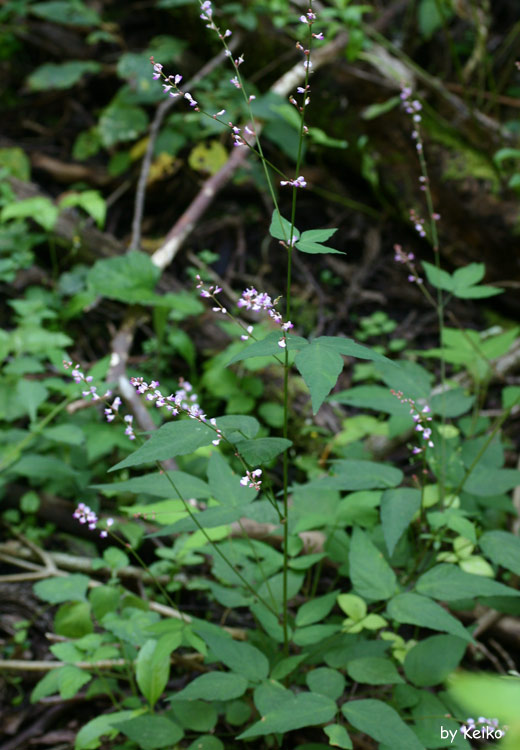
(449, 583)
(414, 609)
(91, 201)
(487, 482)
(320, 367)
(16, 162)
(151, 732)
(128, 278)
(326, 681)
(268, 346)
(31, 394)
(152, 668)
(502, 548)
(315, 609)
(338, 736)
(373, 670)
(89, 736)
(371, 575)
(375, 397)
(262, 450)
(478, 292)
(314, 248)
(73, 620)
(451, 403)
(398, 507)
(351, 474)
(409, 377)
(48, 685)
(381, 722)
(469, 275)
(206, 741)
(221, 686)
(318, 235)
(39, 209)
(280, 228)
(62, 75)
(158, 485)
(172, 439)
(432, 660)
(70, 680)
(293, 712)
(62, 589)
(380, 108)
(241, 658)
(121, 121)
(72, 12)
(195, 715)
(225, 485)
(438, 278)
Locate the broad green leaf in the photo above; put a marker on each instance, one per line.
(152, 667)
(71, 679)
(338, 736)
(62, 589)
(48, 685)
(487, 482)
(222, 686)
(432, 15)
(353, 606)
(16, 162)
(295, 712)
(374, 397)
(121, 121)
(409, 377)
(262, 450)
(280, 228)
(31, 394)
(41, 210)
(39, 468)
(89, 736)
(415, 609)
(151, 732)
(73, 620)
(73, 12)
(352, 474)
(502, 548)
(314, 248)
(448, 583)
(172, 439)
(268, 346)
(398, 507)
(315, 609)
(373, 670)
(478, 292)
(427, 712)
(225, 484)
(371, 576)
(197, 716)
(128, 278)
(318, 235)
(452, 403)
(62, 75)
(491, 695)
(506, 153)
(326, 681)
(469, 275)
(206, 742)
(158, 485)
(320, 367)
(314, 634)
(438, 278)
(433, 659)
(242, 658)
(91, 201)
(383, 723)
